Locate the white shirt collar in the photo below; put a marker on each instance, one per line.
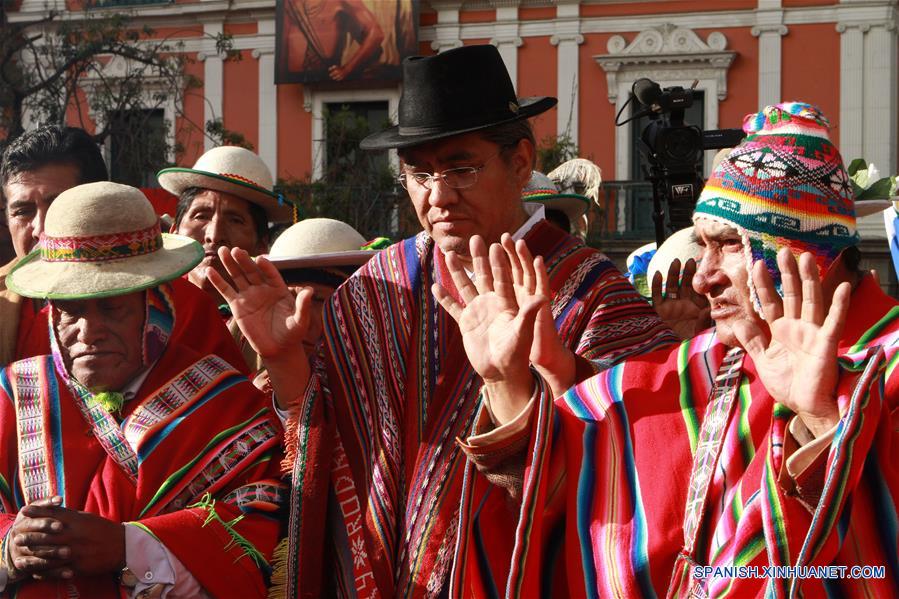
(537, 213)
(130, 390)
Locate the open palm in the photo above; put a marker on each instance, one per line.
(797, 362)
(271, 319)
(497, 330)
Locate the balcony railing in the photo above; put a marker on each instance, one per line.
(624, 212)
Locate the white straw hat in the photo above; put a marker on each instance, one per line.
(680, 245)
(319, 243)
(234, 170)
(102, 239)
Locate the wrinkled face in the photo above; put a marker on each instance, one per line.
(722, 277)
(320, 295)
(490, 207)
(29, 195)
(100, 339)
(216, 219)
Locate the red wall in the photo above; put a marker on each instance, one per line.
(240, 104)
(537, 76)
(294, 133)
(596, 122)
(815, 81)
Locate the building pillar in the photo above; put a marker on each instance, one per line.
(448, 32)
(506, 38)
(566, 40)
(769, 62)
(852, 89)
(268, 97)
(213, 78)
(880, 104)
(769, 29)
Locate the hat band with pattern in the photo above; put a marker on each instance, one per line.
(239, 178)
(100, 248)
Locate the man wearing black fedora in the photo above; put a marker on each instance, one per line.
(377, 420)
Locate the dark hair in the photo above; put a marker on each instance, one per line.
(558, 218)
(53, 144)
(257, 212)
(507, 136)
(852, 258)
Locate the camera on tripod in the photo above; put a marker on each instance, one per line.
(674, 150)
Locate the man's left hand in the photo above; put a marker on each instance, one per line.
(797, 363)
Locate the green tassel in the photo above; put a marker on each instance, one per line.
(208, 503)
(109, 400)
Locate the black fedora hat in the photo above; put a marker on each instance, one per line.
(458, 91)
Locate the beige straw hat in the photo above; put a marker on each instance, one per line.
(102, 239)
(234, 170)
(680, 245)
(319, 243)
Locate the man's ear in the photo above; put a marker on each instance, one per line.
(523, 160)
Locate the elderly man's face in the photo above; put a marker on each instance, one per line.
(490, 207)
(100, 339)
(28, 196)
(722, 277)
(216, 219)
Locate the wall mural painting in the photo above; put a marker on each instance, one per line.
(344, 40)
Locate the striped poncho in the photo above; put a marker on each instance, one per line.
(376, 470)
(606, 489)
(192, 459)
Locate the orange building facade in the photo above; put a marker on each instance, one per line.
(841, 55)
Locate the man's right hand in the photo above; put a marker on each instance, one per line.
(273, 322)
(497, 330)
(263, 307)
(34, 548)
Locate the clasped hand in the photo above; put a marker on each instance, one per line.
(49, 541)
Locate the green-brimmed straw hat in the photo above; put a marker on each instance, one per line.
(102, 239)
(543, 190)
(234, 170)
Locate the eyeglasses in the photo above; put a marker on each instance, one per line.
(457, 178)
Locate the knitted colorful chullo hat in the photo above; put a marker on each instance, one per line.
(783, 186)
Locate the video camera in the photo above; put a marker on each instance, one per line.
(674, 150)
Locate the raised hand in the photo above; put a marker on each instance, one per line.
(549, 355)
(497, 331)
(680, 307)
(267, 313)
(272, 320)
(797, 361)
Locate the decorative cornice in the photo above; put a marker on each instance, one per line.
(441, 45)
(667, 52)
(844, 27)
(558, 38)
(260, 52)
(774, 28)
(517, 41)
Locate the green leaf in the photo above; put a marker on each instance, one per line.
(879, 190)
(857, 165)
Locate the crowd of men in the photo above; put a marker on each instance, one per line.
(487, 408)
